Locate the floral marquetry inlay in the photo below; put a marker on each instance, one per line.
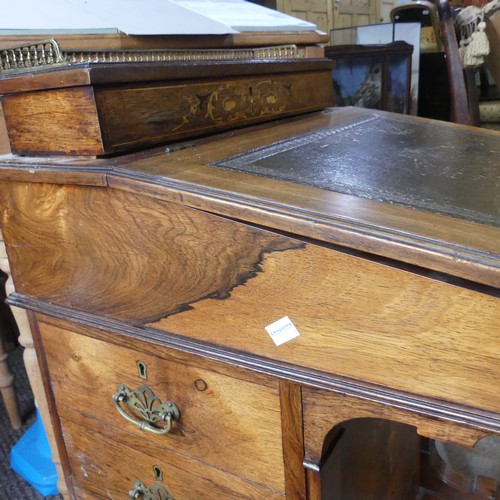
(235, 101)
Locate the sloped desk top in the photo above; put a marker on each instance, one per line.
(421, 192)
(377, 234)
(392, 160)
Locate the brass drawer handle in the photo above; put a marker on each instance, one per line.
(151, 409)
(156, 492)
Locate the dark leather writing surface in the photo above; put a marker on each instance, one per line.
(427, 166)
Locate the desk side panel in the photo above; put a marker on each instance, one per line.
(174, 269)
(60, 121)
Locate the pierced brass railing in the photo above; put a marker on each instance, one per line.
(48, 53)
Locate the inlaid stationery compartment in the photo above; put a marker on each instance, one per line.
(121, 107)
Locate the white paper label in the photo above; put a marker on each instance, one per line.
(282, 331)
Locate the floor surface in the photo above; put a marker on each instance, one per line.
(12, 486)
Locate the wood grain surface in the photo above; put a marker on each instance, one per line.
(233, 425)
(109, 41)
(372, 459)
(152, 242)
(422, 237)
(357, 318)
(53, 121)
(69, 77)
(293, 439)
(362, 320)
(95, 450)
(140, 105)
(129, 73)
(149, 115)
(431, 241)
(166, 257)
(324, 411)
(222, 282)
(4, 138)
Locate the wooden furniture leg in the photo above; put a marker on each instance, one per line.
(460, 111)
(7, 387)
(32, 369)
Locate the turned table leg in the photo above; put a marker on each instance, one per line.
(32, 369)
(7, 388)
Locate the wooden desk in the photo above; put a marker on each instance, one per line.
(377, 235)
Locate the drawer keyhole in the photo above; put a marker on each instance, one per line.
(142, 369)
(158, 473)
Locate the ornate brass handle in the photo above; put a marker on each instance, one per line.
(156, 492)
(151, 409)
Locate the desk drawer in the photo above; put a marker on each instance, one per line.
(224, 421)
(107, 463)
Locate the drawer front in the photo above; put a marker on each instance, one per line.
(165, 112)
(108, 463)
(226, 422)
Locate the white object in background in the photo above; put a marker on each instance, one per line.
(245, 16)
(145, 17)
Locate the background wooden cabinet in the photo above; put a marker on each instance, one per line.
(330, 14)
(319, 12)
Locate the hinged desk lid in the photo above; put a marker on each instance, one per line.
(452, 171)
(421, 192)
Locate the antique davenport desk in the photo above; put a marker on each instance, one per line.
(280, 311)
